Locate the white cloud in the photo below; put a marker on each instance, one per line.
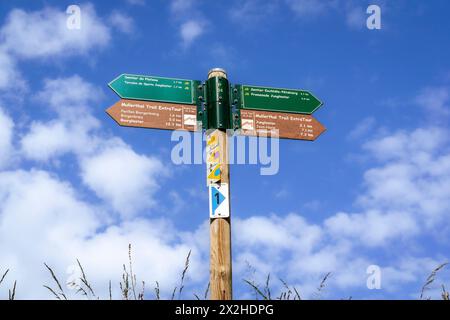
(289, 232)
(136, 2)
(249, 12)
(362, 128)
(190, 31)
(294, 250)
(189, 20)
(6, 135)
(122, 177)
(308, 8)
(182, 7)
(409, 270)
(252, 12)
(287, 247)
(435, 101)
(47, 141)
(44, 33)
(414, 177)
(356, 18)
(406, 196)
(9, 75)
(74, 128)
(44, 219)
(109, 167)
(69, 95)
(122, 22)
(43, 202)
(408, 146)
(372, 228)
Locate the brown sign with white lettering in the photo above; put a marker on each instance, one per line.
(157, 115)
(289, 125)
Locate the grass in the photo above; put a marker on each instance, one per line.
(128, 284)
(287, 292)
(430, 280)
(130, 290)
(12, 291)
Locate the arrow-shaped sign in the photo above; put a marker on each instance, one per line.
(277, 99)
(158, 115)
(286, 125)
(139, 87)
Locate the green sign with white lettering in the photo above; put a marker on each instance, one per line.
(277, 99)
(149, 88)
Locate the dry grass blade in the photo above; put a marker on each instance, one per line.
(141, 294)
(285, 295)
(297, 295)
(157, 291)
(255, 287)
(445, 294)
(323, 282)
(80, 289)
(62, 294)
(207, 290)
(4, 276)
(183, 275)
(133, 277)
(322, 285)
(431, 278)
(205, 295)
(53, 292)
(12, 293)
(85, 281)
(125, 284)
(173, 293)
(267, 287)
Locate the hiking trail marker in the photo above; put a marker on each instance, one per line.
(216, 106)
(219, 206)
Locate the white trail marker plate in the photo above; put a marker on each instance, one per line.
(219, 206)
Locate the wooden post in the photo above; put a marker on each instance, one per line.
(220, 228)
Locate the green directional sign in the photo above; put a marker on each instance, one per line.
(277, 99)
(138, 87)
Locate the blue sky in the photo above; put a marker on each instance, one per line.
(372, 190)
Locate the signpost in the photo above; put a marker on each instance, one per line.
(156, 115)
(138, 87)
(215, 106)
(279, 100)
(287, 125)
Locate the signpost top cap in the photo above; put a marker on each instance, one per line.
(217, 72)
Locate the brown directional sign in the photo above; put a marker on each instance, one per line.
(158, 115)
(289, 125)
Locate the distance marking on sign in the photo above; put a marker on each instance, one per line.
(285, 125)
(152, 114)
(278, 99)
(149, 88)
